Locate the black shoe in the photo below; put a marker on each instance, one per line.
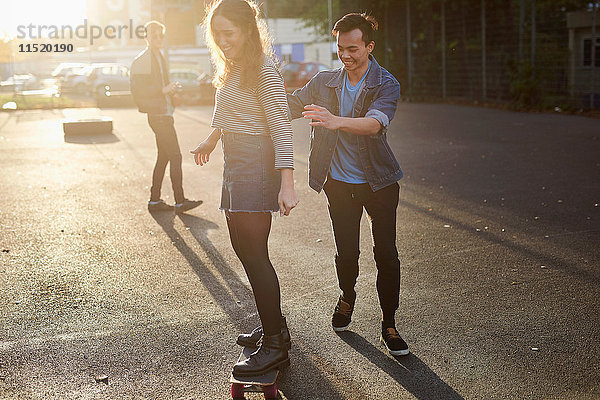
(271, 354)
(252, 339)
(393, 342)
(187, 205)
(159, 206)
(342, 315)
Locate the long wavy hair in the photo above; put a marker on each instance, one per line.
(245, 15)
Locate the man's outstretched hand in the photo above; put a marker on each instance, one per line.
(320, 116)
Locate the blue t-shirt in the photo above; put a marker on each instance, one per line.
(346, 165)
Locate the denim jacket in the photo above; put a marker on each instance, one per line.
(378, 99)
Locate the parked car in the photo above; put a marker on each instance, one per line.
(103, 77)
(297, 74)
(75, 81)
(19, 82)
(67, 68)
(94, 78)
(196, 87)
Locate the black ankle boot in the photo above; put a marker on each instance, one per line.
(271, 354)
(252, 339)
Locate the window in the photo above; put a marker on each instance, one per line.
(587, 52)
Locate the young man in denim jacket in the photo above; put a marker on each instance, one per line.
(350, 159)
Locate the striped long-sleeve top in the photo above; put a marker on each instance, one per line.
(257, 111)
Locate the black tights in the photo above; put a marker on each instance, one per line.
(249, 232)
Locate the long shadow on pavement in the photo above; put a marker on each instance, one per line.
(220, 293)
(553, 260)
(409, 371)
(238, 314)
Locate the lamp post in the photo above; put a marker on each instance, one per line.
(594, 61)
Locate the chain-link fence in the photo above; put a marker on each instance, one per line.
(533, 54)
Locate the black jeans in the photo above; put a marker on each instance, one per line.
(346, 202)
(168, 153)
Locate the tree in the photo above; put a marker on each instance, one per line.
(507, 75)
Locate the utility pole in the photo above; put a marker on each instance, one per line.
(386, 35)
(521, 27)
(329, 28)
(409, 47)
(594, 44)
(533, 36)
(443, 34)
(166, 38)
(483, 54)
(194, 21)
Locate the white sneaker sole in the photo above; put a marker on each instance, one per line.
(395, 352)
(340, 328)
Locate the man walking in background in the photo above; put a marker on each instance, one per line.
(350, 159)
(153, 94)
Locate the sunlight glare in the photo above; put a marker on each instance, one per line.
(41, 12)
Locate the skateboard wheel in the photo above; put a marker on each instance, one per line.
(270, 391)
(237, 391)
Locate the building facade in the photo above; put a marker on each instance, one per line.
(584, 58)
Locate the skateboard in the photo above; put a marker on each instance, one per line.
(264, 383)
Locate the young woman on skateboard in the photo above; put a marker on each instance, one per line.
(251, 119)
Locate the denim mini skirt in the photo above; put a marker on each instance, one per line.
(250, 181)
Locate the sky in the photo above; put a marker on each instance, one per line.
(39, 12)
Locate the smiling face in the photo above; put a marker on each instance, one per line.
(227, 36)
(352, 51)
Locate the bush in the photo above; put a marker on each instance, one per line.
(524, 86)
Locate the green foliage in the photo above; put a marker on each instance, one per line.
(318, 17)
(314, 13)
(524, 86)
(41, 102)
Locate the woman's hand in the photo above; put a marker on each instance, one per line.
(202, 152)
(287, 198)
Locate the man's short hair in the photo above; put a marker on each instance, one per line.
(154, 25)
(366, 23)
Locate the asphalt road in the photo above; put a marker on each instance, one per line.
(498, 234)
